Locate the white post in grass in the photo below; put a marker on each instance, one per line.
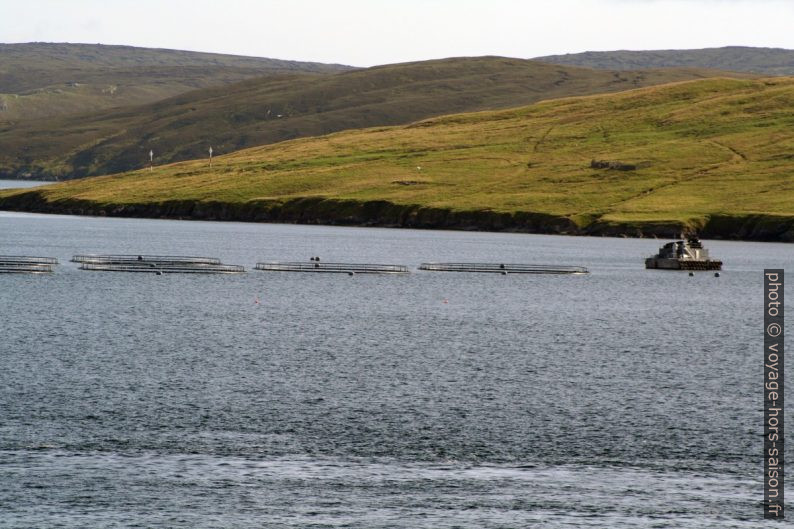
(151, 159)
(210, 156)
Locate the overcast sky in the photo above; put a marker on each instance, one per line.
(369, 32)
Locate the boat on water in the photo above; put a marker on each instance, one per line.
(683, 255)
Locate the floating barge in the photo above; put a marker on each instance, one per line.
(332, 268)
(155, 264)
(683, 255)
(503, 268)
(21, 264)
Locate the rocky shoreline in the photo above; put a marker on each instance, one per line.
(386, 214)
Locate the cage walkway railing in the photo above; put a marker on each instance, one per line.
(151, 267)
(33, 268)
(156, 259)
(503, 268)
(26, 259)
(26, 264)
(339, 268)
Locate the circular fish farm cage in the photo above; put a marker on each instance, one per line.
(149, 259)
(503, 268)
(332, 268)
(155, 264)
(22, 264)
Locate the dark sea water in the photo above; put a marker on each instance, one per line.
(623, 398)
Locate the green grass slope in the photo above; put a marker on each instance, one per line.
(714, 156)
(768, 61)
(46, 79)
(278, 108)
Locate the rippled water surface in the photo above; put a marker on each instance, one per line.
(623, 398)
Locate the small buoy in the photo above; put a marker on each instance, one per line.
(317, 265)
(256, 300)
(504, 273)
(350, 274)
(445, 301)
(317, 259)
(311, 258)
(691, 274)
(159, 273)
(716, 274)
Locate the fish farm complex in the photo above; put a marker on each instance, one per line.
(173, 264)
(686, 255)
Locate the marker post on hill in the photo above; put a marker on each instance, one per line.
(210, 156)
(151, 160)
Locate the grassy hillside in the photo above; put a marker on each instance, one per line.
(769, 61)
(274, 109)
(714, 155)
(44, 79)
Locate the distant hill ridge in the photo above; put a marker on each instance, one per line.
(49, 79)
(770, 61)
(68, 57)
